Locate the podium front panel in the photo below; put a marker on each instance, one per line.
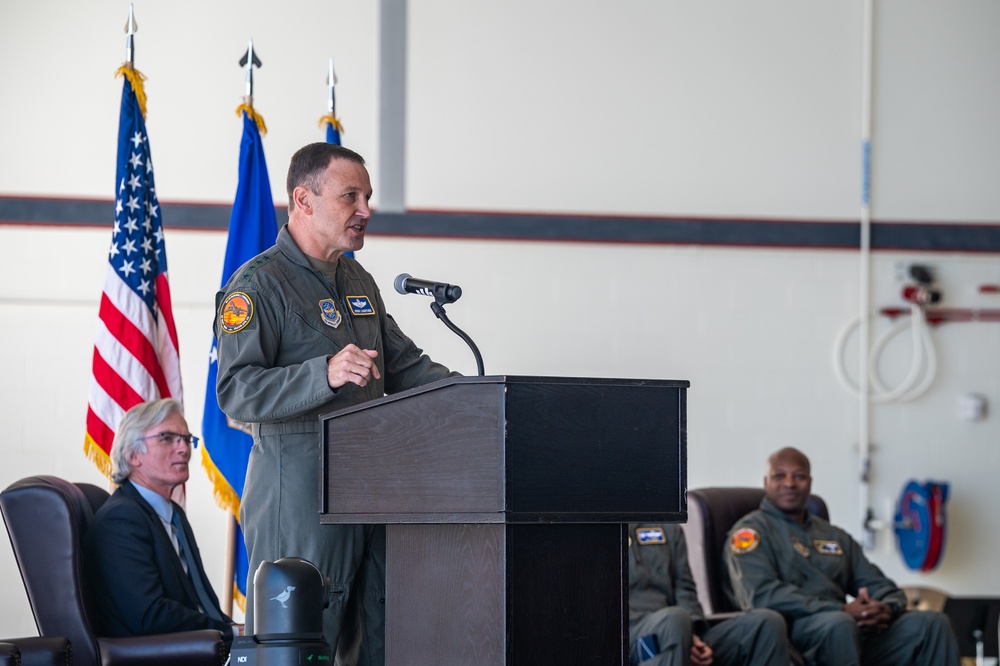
(596, 451)
(434, 457)
(509, 449)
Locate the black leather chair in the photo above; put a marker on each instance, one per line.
(46, 519)
(711, 514)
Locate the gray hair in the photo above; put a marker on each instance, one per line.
(131, 430)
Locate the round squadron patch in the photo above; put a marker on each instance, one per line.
(236, 312)
(744, 540)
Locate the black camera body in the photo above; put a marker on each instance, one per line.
(289, 597)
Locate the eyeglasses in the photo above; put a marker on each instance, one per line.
(174, 438)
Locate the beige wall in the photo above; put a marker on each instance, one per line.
(660, 108)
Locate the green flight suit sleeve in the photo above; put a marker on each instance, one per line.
(868, 575)
(406, 365)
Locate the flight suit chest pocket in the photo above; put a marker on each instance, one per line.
(329, 326)
(321, 329)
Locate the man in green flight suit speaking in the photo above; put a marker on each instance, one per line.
(303, 331)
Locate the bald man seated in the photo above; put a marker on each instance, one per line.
(667, 626)
(781, 557)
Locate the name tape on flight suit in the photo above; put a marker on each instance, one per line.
(361, 306)
(650, 535)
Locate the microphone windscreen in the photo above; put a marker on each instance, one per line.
(400, 282)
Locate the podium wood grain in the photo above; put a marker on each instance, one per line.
(505, 501)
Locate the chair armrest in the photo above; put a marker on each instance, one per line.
(204, 647)
(9, 655)
(41, 651)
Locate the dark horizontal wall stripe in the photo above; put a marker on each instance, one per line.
(89, 212)
(619, 230)
(567, 228)
(936, 237)
(56, 211)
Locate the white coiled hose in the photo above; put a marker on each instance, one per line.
(923, 362)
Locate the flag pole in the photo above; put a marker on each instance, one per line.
(252, 229)
(333, 126)
(130, 28)
(230, 575)
(331, 84)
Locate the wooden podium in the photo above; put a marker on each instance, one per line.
(505, 500)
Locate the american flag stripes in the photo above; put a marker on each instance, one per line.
(135, 350)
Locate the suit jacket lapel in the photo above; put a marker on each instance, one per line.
(162, 539)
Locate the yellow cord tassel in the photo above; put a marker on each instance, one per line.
(333, 121)
(136, 78)
(253, 115)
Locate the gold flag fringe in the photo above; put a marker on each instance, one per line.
(227, 499)
(224, 494)
(239, 598)
(135, 77)
(97, 455)
(256, 117)
(328, 118)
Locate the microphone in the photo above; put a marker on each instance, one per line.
(442, 293)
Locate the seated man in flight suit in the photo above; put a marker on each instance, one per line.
(781, 557)
(667, 626)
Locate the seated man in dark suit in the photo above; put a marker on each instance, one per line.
(141, 561)
(666, 623)
(783, 558)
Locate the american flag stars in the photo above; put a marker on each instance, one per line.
(137, 248)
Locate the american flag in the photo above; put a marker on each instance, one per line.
(135, 352)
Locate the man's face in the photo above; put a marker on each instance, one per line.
(788, 483)
(340, 212)
(164, 465)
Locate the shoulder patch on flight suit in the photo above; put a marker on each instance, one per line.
(236, 312)
(744, 540)
(800, 548)
(328, 309)
(360, 306)
(650, 535)
(827, 547)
